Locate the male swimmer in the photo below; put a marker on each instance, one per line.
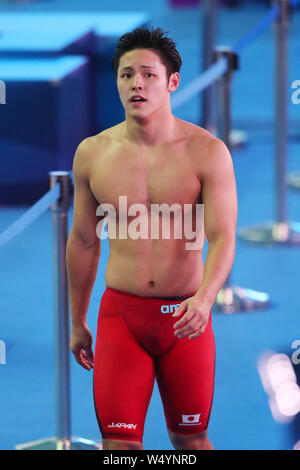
(155, 314)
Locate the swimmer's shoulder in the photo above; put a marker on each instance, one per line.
(206, 151)
(201, 143)
(194, 134)
(109, 135)
(95, 147)
(101, 140)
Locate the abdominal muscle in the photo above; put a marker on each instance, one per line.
(154, 268)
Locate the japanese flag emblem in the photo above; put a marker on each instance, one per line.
(187, 420)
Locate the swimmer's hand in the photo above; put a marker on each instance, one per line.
(195, 319)
(81, 346)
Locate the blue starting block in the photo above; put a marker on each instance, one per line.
(45, 117)
(60, 88)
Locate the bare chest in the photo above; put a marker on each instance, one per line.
(153, 178)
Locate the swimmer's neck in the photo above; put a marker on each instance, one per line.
(153, 131)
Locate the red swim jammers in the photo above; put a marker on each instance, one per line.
(135, 344)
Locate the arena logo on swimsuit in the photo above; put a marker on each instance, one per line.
(184, 220)
(169, 308)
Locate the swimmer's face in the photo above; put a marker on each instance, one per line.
(142, 73)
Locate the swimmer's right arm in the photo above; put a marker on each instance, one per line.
(82, 255)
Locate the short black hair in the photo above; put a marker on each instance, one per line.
(156, 39)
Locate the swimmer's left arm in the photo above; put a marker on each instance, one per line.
(220, 216)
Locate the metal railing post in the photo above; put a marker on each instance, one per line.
(281, 118)
(281, 231)
(61, 309)
(231, 299)
(62, 439)
(209, 8)
(223, 101)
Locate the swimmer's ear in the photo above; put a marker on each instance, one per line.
(180, 309)
(174, 82)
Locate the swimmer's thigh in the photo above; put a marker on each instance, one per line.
(185, 377)
(123, 381)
